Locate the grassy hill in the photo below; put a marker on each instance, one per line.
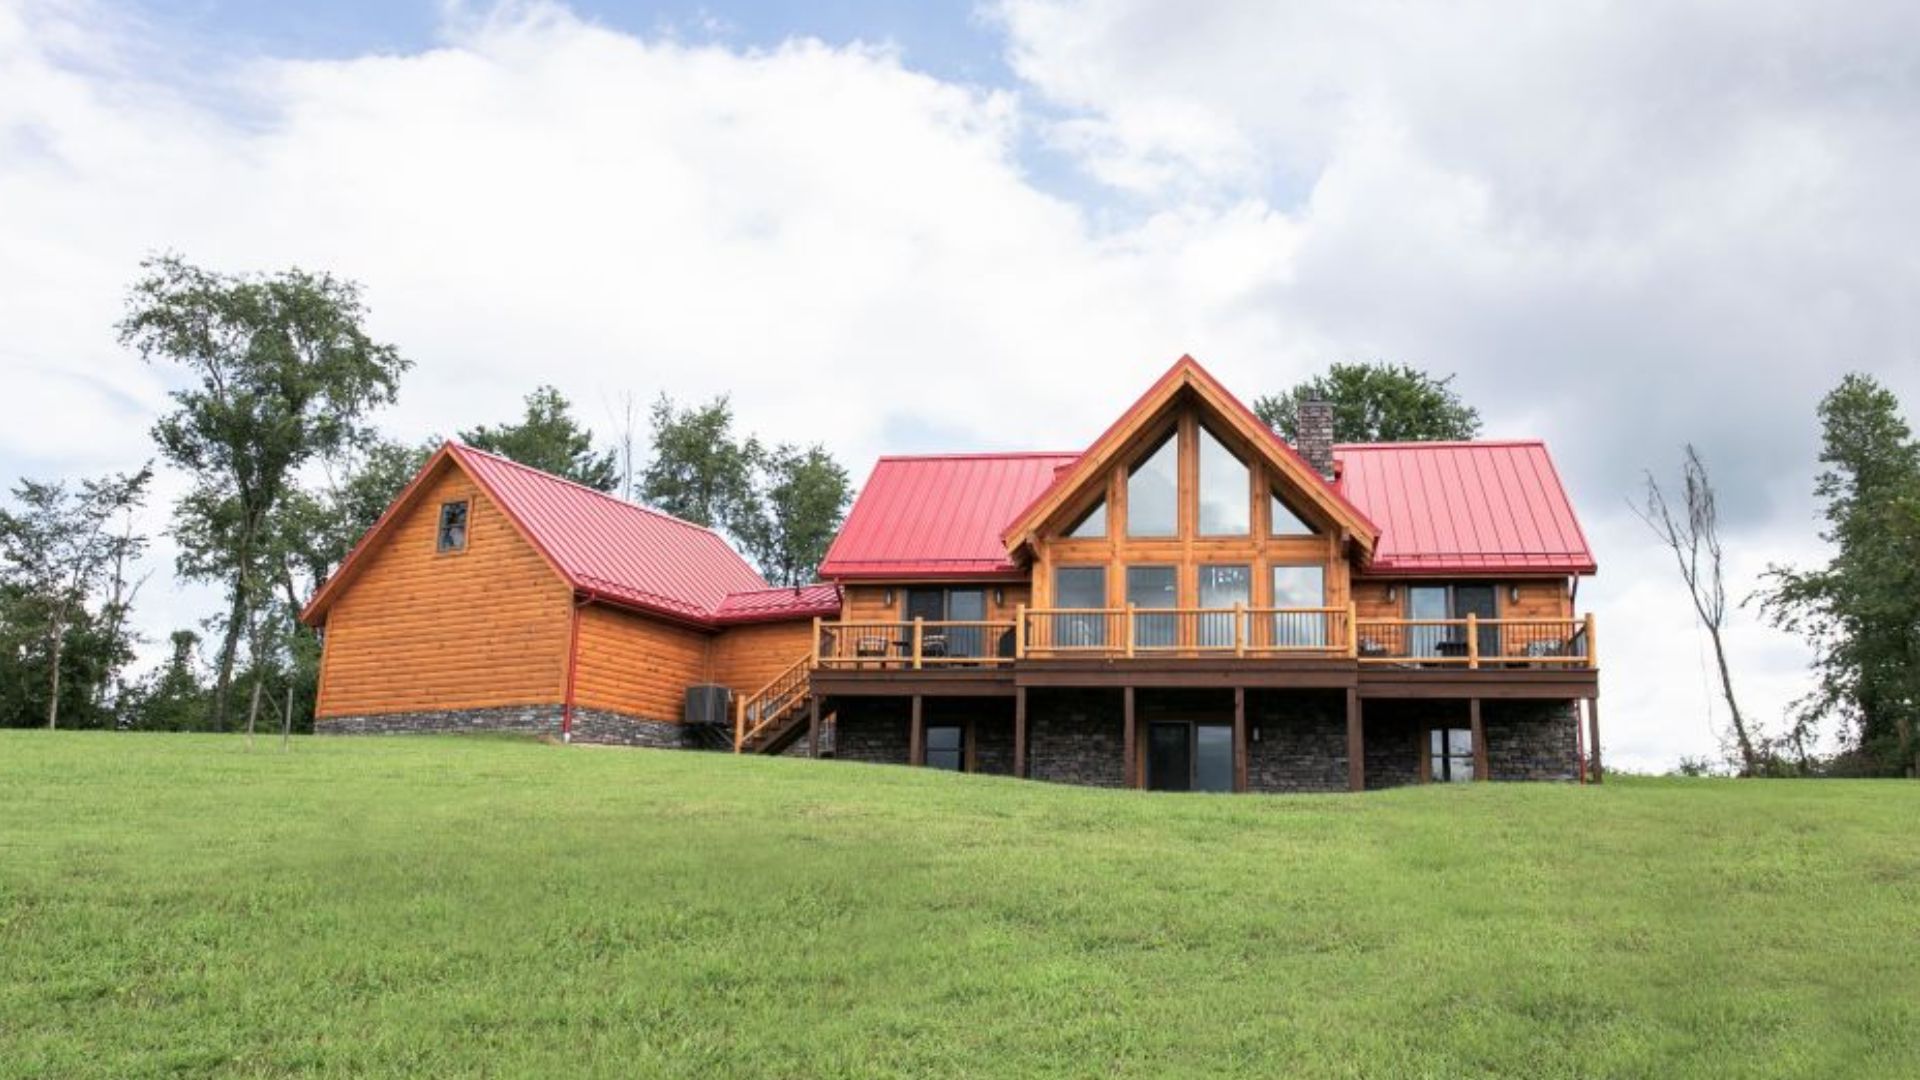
(177, 904)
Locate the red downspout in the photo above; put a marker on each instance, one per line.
(573, 667)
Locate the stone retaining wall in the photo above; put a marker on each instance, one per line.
(589, 725)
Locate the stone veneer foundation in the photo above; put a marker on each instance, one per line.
(589, 725)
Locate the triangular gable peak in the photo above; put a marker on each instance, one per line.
(1081, 487)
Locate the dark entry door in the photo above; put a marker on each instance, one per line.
(1170, 757)
(1478, 601)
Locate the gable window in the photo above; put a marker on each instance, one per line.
(1083, 588)
(1283, 521)
(1221, 587)
(1299, 587)
(1151, 587)
(1093, 525)
(453, 527)
(946, 747)
(1450, 755)
(1224, 486)
(1153, 492)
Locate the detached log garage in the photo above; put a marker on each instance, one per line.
(494, 597)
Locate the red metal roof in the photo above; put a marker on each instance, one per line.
(1465, 507)
(613, 550)
(767, 605)
(938, 515)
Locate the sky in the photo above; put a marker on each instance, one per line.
(1621, 227)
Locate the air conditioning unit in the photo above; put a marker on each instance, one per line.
(709, 704)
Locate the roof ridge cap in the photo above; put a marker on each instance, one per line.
(951, 455)
(1418, 444)
(614, 499)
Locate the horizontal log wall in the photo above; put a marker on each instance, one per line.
(748, 657)
(423, 631)
(633, 664)
(1539, 598)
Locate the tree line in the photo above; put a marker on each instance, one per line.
(271, 426)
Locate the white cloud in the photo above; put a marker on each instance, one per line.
(1622, 233)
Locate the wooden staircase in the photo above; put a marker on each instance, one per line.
(770, 719)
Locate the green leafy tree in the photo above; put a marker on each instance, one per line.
(1377, 402)
(797, 502)
(1861, 611)
(280, 373)
(58, 554)
(173, 698)
(549, 439)
(698, 471)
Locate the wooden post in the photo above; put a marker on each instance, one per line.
(1020, 731)
(813, 726)
(817, 642)
(1020, 632)
(1240, 738)
(917, 736)
(1473, 641)
(1239, 628)
(739, 723)
(1129, 751)
(1356, 744)
(919, 627)
(1579, 750)
(1593, 645)
(1593, 730)
(1353, 630)
(1480, 766)
(1130, 621)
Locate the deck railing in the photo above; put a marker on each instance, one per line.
(1235, 632)
(1474, 642)
(1135, 632)
(916, 644)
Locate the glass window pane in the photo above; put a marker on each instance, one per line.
(949, 760)
(1460, 741)
(1078, 587)
(1299, 587)
(1426, 602)
(1212, 757)
(1282, 521)
(1092, 526)
(1152, 587)
(944, 737)
(966, 605)
(1225, 504)
(1459, 769)
(1153, 492)
(1222, 587)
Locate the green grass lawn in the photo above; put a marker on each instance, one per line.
(180, 905)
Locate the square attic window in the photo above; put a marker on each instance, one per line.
(453, 527)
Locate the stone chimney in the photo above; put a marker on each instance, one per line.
(1313, 426)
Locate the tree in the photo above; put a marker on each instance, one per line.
(281, 373)
(174, 698)
(58, 552)
(1693, 535)
(698, 472)
(547, 438)
(797, 501)
(1861, 611)
(1376, 402)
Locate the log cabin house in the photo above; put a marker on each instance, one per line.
(1189, 603)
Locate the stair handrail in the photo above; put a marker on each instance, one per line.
(783, 692)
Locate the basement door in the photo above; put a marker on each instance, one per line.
(1183, 756)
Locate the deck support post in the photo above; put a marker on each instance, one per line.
(1593, 736)
(917, 735)
(1020, 732)
(1356, 744)
(1480, 767)
(813, 725)
(1240, 739)
(1130, 752)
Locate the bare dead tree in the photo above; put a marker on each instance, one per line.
(1693, 535)
(624, 427)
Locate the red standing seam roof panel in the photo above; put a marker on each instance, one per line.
(1464, 507)
(630, 555)
(939, 515)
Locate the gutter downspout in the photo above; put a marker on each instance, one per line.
(573, 668)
